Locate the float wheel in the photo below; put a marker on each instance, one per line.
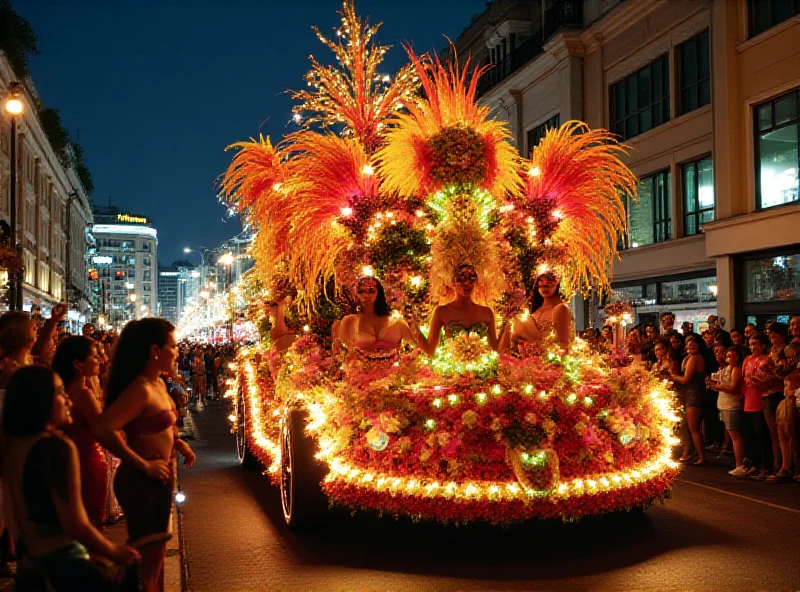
(303, 502)
(246, 458)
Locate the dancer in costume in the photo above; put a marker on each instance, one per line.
(550, 315)
(372, 328)
(461, 314)
(281, 334)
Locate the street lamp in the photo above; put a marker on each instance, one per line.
(202, 252)
(14, 107)
(227, 260)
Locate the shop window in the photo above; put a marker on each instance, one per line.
(536, 134)
(697, 187)
(689, 291)
(649, 218)
(777, 139)
(640, 102)
(694, 67)
(772, 279)
(765, 14)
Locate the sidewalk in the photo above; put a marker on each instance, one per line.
(118, 533)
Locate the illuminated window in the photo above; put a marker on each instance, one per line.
(697, 187)
(777, 138)
(650, 218)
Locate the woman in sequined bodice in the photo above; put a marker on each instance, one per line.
(550, 315)
(372, 330)
(461, 315)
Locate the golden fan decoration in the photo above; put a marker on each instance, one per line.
(357, 95)
(447, 138)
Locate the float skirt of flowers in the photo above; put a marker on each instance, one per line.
(554, 435)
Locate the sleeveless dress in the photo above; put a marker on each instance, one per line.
(94, 470)
(546, 327)
(453, 328)
(693, 393)
(373, 348)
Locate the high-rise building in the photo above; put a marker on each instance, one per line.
(178, 288)
(125, 262)
(706, 95)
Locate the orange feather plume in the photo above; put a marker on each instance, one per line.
(576, 177)
(417, 143)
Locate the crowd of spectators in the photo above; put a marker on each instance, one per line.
(87, 419)
(737, 391)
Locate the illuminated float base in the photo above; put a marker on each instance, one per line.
(357, 476)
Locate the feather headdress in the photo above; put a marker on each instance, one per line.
(447, 138)
(571, 213)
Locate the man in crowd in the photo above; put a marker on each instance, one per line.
(667, 322)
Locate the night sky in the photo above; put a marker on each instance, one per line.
(156, 90)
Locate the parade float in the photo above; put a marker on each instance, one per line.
(404, 179)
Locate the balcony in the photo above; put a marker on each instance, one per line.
(565, 13)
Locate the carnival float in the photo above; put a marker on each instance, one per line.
(416, 358)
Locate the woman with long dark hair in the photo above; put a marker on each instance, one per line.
(41, 471)
(460, 315)
(549, 315)
(690, 383)
(138, 405)
(372, 327)
(76, 361)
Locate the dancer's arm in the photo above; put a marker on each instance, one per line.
(430, 344)
(562, 319)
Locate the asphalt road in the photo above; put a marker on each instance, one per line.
(716, 533)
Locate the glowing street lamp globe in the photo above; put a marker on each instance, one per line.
(14, 106)
(227, 259)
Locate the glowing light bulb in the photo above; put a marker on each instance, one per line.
(297, 118)
(368, 170)
(558, 214)
(180, 497)
(534, 171)
(368, 271)
(416, 281)
(346, 212)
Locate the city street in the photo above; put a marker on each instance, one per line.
(716, 533)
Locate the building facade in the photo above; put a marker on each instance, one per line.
(125, 264)
(53, 211)
(178, 289)
(705, 95)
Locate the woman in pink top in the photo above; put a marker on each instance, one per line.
(757, 437)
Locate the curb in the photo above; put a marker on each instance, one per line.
(173, 574)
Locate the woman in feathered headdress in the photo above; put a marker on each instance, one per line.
(549, 316)
(462, 314)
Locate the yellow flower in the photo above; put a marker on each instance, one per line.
(469, 418)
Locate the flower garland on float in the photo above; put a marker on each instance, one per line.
(408, 190)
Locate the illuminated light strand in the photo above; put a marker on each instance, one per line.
(471, 490)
